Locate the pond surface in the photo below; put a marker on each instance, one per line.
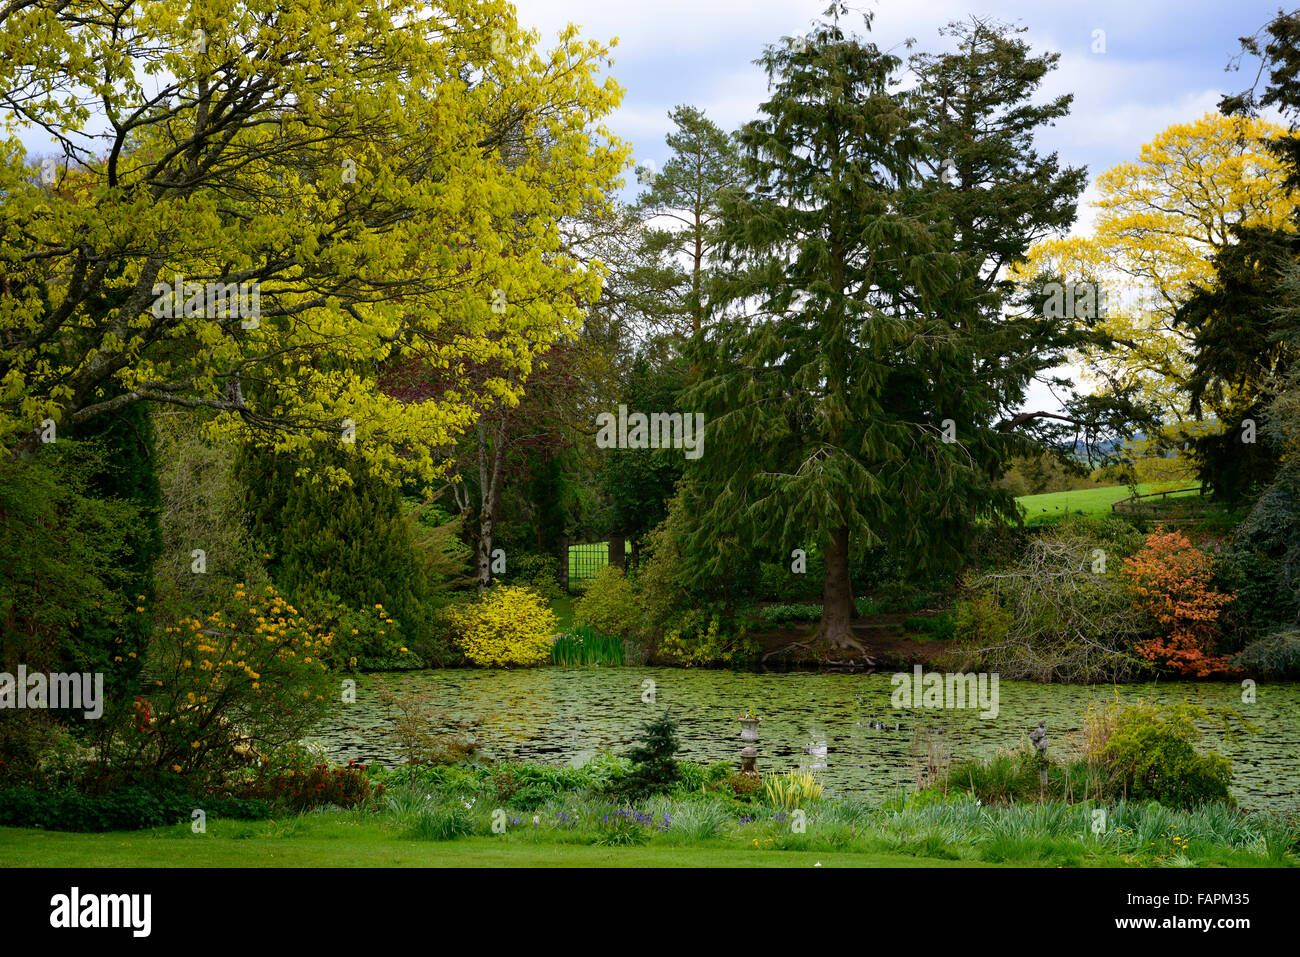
(829, 721)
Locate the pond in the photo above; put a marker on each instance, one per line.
(843, 724)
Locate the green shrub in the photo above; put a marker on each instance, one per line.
(777, 582)
(693, 777)
(1261, 599)
(743, 787)
(784, 614)
(1005, 778)
(541, 573)
(1149, 750)
(705, 636)
(365, 639)
(940, 627)
(1118, 535)
(1277, 655)
(610, 605)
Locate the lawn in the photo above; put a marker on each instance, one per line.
(341, 843)
(1089, 501)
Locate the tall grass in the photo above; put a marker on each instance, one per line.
(792, 789)
(582, 646)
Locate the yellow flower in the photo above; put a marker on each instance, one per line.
(194, 744)
(176, 768)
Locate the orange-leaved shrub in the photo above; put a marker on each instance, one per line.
(1169, 579)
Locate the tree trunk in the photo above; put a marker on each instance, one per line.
(489, 471)
(617, 551)
(562, 566)
(837, 596)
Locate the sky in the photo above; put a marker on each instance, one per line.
(1163, 62)
(1158, 62)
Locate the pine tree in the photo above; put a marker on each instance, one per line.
(690, 189)
(653, 757)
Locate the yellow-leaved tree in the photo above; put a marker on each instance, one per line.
(259, 207)
(1159, 220)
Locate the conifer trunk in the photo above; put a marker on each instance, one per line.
(836, 627)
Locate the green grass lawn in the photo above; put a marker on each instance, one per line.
(1089, 501)
(338, 843)
(563, 608)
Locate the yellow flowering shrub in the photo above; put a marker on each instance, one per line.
(221, 691)
(508, 625)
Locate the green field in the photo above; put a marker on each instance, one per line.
(1089, 501)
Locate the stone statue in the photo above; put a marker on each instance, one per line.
(1038, 738)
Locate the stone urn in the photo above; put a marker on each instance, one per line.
(749, 729)
(747, 758)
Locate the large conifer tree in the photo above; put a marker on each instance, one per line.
(852, 390)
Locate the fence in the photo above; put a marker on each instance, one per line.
(585, 561)
(1147, 505)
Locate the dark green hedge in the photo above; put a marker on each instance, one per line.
(127, 809)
